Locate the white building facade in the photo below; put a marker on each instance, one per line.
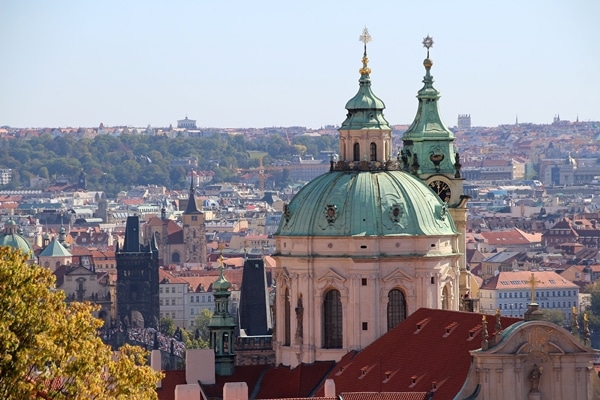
(510, 292)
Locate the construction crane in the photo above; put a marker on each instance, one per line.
(261, 169)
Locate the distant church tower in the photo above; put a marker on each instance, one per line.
(137, 279)
(428, 153)
(361, 247)
(222, 327)
(194, 231)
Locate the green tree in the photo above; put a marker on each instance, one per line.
(555, 316)
(51, 350)
(201, 324)
(167, 326)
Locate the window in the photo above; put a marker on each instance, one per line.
(175, 257)
(332, 320)
(356, 155)
(172, 302)
(373, 149)
(287, 315)
(396, 308)
(192, 299)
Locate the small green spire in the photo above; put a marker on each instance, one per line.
(365, 110)
(428, 139)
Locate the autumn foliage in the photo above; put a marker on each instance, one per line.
(51, 350)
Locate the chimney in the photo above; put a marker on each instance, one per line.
(329, 388)
(235, 391)
(156, 364)
(200, 366)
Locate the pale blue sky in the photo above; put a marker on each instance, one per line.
(283, 63)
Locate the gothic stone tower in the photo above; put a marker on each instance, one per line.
(137, 279)
(194, 231)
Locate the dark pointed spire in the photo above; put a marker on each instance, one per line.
(192, 208)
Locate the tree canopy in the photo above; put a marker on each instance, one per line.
(49, 349)
(115, 163)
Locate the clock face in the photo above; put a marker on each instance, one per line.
(442, 189)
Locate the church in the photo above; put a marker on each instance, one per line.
(372, 288)
(376, 238)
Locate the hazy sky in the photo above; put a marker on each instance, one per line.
(282, 63)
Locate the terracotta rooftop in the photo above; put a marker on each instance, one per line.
(520, 280)
(302, 381)
(386, 396)
(429, 346)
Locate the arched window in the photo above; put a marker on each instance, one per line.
(373, 149)
(396, 308)
(286, 312)
(356, 152)
(446, 298)
(332, 320)
(175, 257)
(225, 343)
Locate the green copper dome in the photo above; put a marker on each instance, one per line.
(10, 237)
(221, 284)
(366, 203)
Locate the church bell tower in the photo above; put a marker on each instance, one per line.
(428, 153)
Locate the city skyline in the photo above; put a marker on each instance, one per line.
(261, 64)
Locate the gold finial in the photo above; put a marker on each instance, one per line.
(365, 37)
(221, 246)
(533, 283)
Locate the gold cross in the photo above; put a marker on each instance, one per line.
(533, 283)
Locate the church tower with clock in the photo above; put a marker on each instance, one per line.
(428, 153)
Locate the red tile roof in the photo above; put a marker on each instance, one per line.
(385, 396)
(169, 382)
(302, 381)
(520, 280)
(251, 374)
(409, 359)
(513, 237)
